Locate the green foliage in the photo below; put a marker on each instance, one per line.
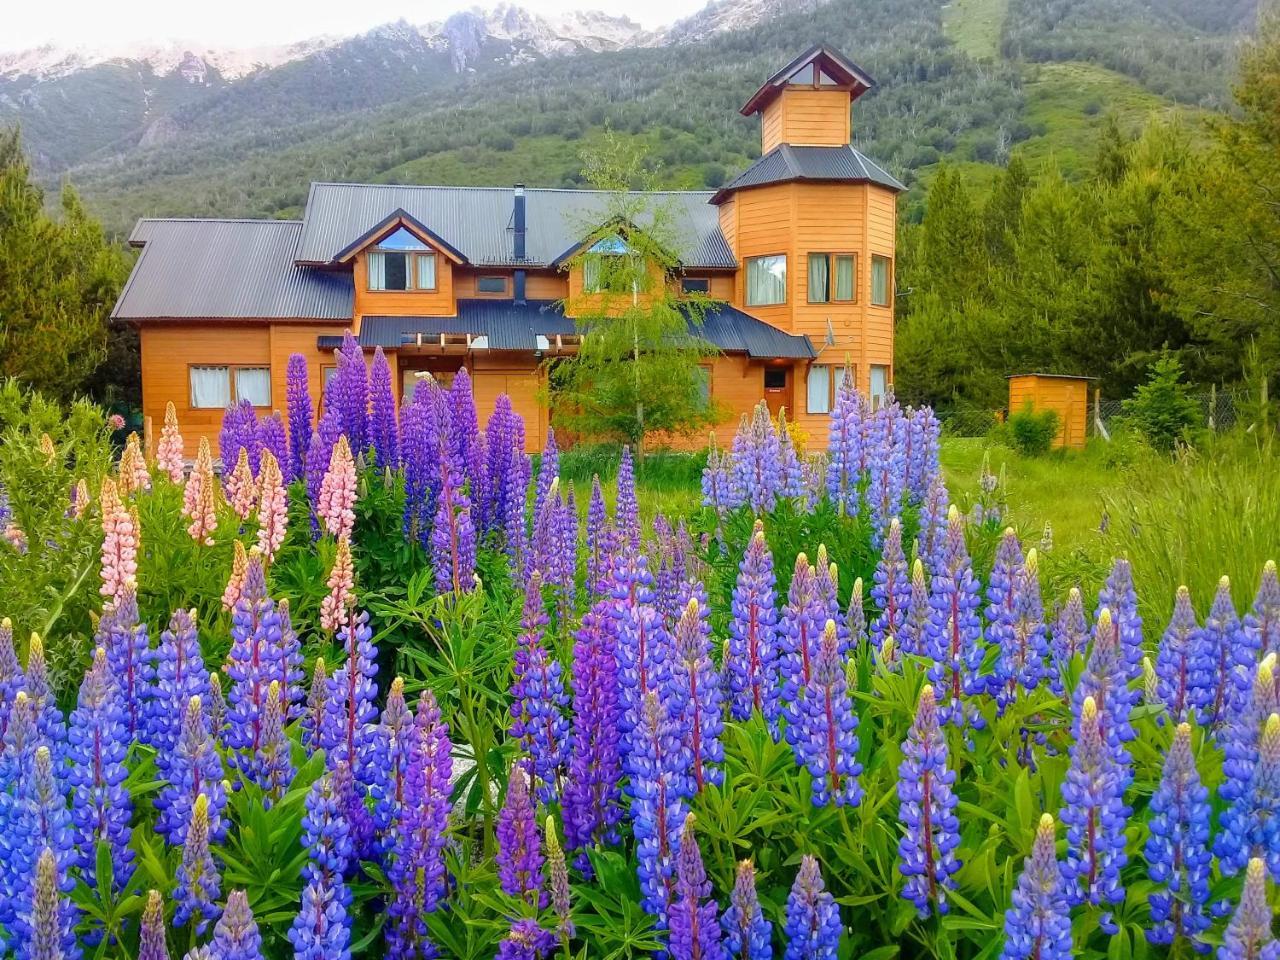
(1160, 410)
(1033, 432)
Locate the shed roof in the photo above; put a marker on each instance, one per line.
(786, 163)
(477, 221)
(228, 269)
(1049, 376)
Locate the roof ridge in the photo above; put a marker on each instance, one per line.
(496, 187)
(264, 220)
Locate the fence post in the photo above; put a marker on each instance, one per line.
(1099, 427)
(1213, 404)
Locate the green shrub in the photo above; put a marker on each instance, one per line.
(1031, 431)
(1160, 409)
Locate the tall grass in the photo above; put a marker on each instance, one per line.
(1213, 511)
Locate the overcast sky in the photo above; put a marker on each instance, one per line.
(242, 23)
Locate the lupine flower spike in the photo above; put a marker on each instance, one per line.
(1038, 925)
(198, 879)
(1263, 619)
(526, 940)
(341, 599)
(931, 830)
(120, 542)
(1177, 852)
(519, 848)
(695, 691)
(558, 881)
(199, 497)
(236, 936)
(750, 663)
(1249, 825)
(321, 930)
(169, 453)
(812, 926)
(239, 564)
(1248, 936)
(1070, 637)
(273, 506)
(747, 934)
(825, 736)
(242, 491)
(335, 506)
(152, 945)
(1179, 660)
(695, 932)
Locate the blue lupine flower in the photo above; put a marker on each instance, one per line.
(695, 693)
(1262, 620)
(254, 661)
(1095, 815)
(747, 934)
(50, 724)
(824, 735)
(695, 932)
(274, 762)
(1119, 596)
(1226, 646)
(924, 446)
(644, 647)
(298, 405)
(844, 448)
(931, 830)
(750, 664)
(855, 620)
(322, 929)
(393, 745)
(1177, 852)
(626, 513)
(812, 927)
(934, 525)
(198, 877)
(538, 696)
(526, 940)
(288, 668)
(892, 590)
(1179, 660)
(801, 631)
(452, 540)
(128, 653)
(887, 483)
(756, 469)
(385, 437)
(1250, 827)
(97, 744)
(49, 922)
(519, 855)
(826, 579)
(194, 768)
(1024, 642)
(347, 731)
(11, 677)
(236, 936)
(314, 712)
(1104, 680)
(1070, 637)
(1038, 925)
(913, 637)
(790, 470)
(180, 674)
(1239, 738)
(955, 630)
(422, 424)
(1002, 587)
(658, 765)
(151, 936)
(1248, 936)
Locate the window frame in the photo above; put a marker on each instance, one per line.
(412, 269)
(888, 282)
(706, 281)
(746, 279)
(833, 256)
(502, 279)
(830, 369)
(233, 370)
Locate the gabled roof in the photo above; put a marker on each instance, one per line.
(227, 269)
(387, 225)
(476, 221)
(736, 332)
(835, 64)
(786, 163)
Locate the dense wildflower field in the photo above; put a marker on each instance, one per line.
(381, 689)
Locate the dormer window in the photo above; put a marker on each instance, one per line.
(402, 262)
(599, 266)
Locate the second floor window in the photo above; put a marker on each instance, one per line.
(491, 285)
(766, 280)
(881, 281)
(831, 277)
(695, 285)
(402, 262)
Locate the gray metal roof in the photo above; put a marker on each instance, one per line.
(785, 163)
(513, 326)
(229, 269)
(477, 221)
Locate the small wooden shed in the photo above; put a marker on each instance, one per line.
(1068, 396)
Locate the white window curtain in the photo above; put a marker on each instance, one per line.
(819, 391)
(591, 273)
(210, 388)
(844, 278)
(426, 271)
(254, 384)
(819, 277)
(879, 385)
(766, 281)
(377, 271)
(880, 281)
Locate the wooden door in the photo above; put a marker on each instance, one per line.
(777, 389)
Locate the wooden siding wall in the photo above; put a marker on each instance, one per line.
(521, 380)
(401, 303)
(539, 284)
(806, 116)
(1066, 396)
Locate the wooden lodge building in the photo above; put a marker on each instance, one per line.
(798, 252)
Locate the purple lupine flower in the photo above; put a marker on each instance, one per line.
(922, 460)
(180, 674)
(298, 407)
(519, 844)
(855, 619)
(348, 392)
(844, 447)
(1119, 596)
(1249, 826)
(385, 433)
(1178, 660)
(955, 630)
(598, 560)
(49, 924)
(547, 548)
(1024, 642)
(235, 935)
(322, 929)
(348, 734)
(417, 872)
(50, 724)
(751, 657)
(526, 940)
(1240, 737)
(892, 590)
(1095, 815)
(464, 422)
(747, 934)
(626, 515)
(193, 768)
(1262, 620)
(756, 467)
(791, 473)
(421, 441)
(11, 676)
(824, 735)
(274, 763)
(254, 661)
(239, 432)
(668, 578)
(1223, 627)
(538, 697)
(558, 882)
(887, 484)
(644, 648)
(1070, 637)
(272, 436)
(695, 934)
(548, 471)
(695, 691)
(801, 631)
(1001, 587)
(288, 668)
(151, 937)
(128, 656)
(502, 465)
(1104, 680)
(389, 772)
(716, 486)
(913, 636)
(1248, 936)
(592, 797)
(1177, 852)
(934, 523)
(314, 712)
(198, 877)
(826, 581)
(927, 811)
(319, 454)
(1038, 924)
(812, 926)
(97, 744)
(453, 535)
(658, 765)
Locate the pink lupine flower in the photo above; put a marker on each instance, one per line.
(169, 452)
(241, 489)
(342, 598)
(337, 500)
(199, 499)
(80, 499)
(133, 471)
(235, 583)
(273, 503)
(14, 536)
(119, 541)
